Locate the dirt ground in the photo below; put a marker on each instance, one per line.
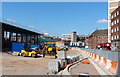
(18, 65)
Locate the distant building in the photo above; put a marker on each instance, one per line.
(74, 40)
(74, 37)
(115, 29)
(82, 37)
(97, 37)
(78, 40)
(66, 37)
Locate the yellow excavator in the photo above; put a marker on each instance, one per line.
(50, 48)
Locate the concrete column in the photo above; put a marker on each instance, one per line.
(10, 36)
(34, 39)
(16, 37)
(37, 40)
(6, 36)
(30, 39)
(1, 37)
(26, 39)
(21, 38)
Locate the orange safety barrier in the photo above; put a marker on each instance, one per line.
(113, 67)
(105, 62)
(99, 59)
(91, 54)
(94, 56)
(70, 64)
(85, 62)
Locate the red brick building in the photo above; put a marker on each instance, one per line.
(97, 37)
(115, 29)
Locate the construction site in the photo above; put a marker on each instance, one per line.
(60, 39)
(24, 54)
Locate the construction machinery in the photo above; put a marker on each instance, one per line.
(34, 52)
(50, 48)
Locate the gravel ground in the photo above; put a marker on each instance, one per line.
(17, 65)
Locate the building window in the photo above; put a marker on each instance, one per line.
(112, 16)
(115, 44)
(117, 36)
(111, 30)
(117, 28)
(117, 20)
(102, 41)
(115, 15)
(98, 42)
(117, 12)
(112, 37)
(114, 22)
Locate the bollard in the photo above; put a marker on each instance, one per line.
(62, 63)
(62, 55)
(54, 66)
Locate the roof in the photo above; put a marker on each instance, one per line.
(83, 35)
(16, 29)
(116, 10)
(100, 32)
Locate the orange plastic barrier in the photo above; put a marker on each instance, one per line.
(70, 64)
(94, 56)
(99, 59)
(105, 62)
(85, 62)
(113, 67)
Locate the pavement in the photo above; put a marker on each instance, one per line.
(84, 68)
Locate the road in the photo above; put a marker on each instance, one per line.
(84, 68)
